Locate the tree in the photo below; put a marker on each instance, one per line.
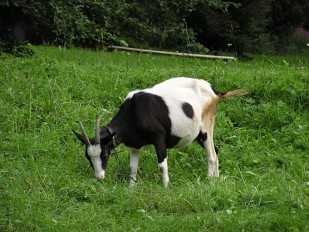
(91, 23)
(22, 20)
(247, 25)
(287, 15)
(243, 24)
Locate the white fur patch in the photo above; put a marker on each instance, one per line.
(130, 94)
(198, 93)
(164, 172)
(94, 152)
(134, 157)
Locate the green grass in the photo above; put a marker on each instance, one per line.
(47, 185)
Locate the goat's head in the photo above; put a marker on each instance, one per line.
(99, 148)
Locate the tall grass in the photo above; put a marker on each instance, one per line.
(47, 185)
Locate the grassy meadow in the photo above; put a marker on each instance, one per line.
(46, 184)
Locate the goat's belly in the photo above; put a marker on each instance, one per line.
(186, 132)
(185, 141)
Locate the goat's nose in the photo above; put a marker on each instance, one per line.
(100, 175)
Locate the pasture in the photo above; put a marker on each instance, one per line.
(46, 183)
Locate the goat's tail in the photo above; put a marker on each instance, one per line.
(234, 93)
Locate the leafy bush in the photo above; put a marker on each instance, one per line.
(18, 50)
(74, 26)
(95, 24)
(295, 44)
(184, 25)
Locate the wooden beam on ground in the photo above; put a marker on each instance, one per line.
(226, 58)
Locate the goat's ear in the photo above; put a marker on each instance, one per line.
(106, 133)
(80, 137)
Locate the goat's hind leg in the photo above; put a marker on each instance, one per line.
(213, 161)
(209, 124)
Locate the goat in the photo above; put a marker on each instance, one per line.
(171, 114)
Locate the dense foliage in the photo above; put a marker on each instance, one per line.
(191, 25)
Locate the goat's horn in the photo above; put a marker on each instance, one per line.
(84, 133)
(97, 130)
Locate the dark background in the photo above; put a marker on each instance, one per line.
(239, 26)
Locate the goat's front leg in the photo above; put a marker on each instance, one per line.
(134, 157)
(164, 172)
(162, 163)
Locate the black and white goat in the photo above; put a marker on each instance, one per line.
(171, 114)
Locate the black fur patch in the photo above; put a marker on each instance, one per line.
(144, 119)
(188, 110)
(217, 150)
(201, 138)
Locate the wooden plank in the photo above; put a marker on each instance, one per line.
(226, 58)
